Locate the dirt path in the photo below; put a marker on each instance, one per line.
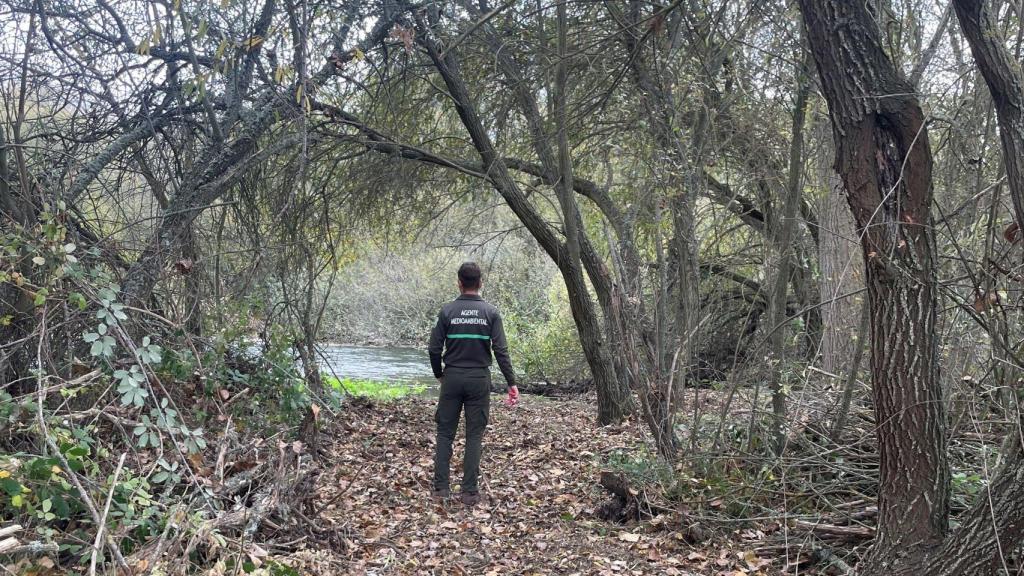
(540, 473)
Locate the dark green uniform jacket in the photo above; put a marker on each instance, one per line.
(468, 331)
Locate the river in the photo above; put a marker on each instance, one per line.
(383, 364)
(387, 364)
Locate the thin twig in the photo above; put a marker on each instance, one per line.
(103, 519)
(40, 412)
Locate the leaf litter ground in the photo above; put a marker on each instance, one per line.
(542, 460)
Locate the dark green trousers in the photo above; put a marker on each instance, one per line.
(468, 389)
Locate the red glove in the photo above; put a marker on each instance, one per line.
(513, 396)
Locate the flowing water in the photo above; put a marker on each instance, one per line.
(387, 364)
(395, 365)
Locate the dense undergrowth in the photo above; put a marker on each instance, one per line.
(128, 441)
(217, 431)
(121, 440)
(148, 458)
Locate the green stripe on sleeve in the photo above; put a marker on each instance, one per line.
(473, 336)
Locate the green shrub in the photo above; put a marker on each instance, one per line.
(548, 349)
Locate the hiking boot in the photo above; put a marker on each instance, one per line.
(440, 495)
(470, 498)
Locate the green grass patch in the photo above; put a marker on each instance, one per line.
(373, 389)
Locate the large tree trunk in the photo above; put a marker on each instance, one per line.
(572, 224)
(884, 158)
(994, 527)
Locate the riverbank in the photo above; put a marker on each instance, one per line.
(542, 464)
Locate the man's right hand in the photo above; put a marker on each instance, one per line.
(513, 396)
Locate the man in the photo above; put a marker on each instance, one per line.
(468, 331)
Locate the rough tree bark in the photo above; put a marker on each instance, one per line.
(994, 527)
(884, 158)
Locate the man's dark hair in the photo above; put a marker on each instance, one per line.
(469, 275)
